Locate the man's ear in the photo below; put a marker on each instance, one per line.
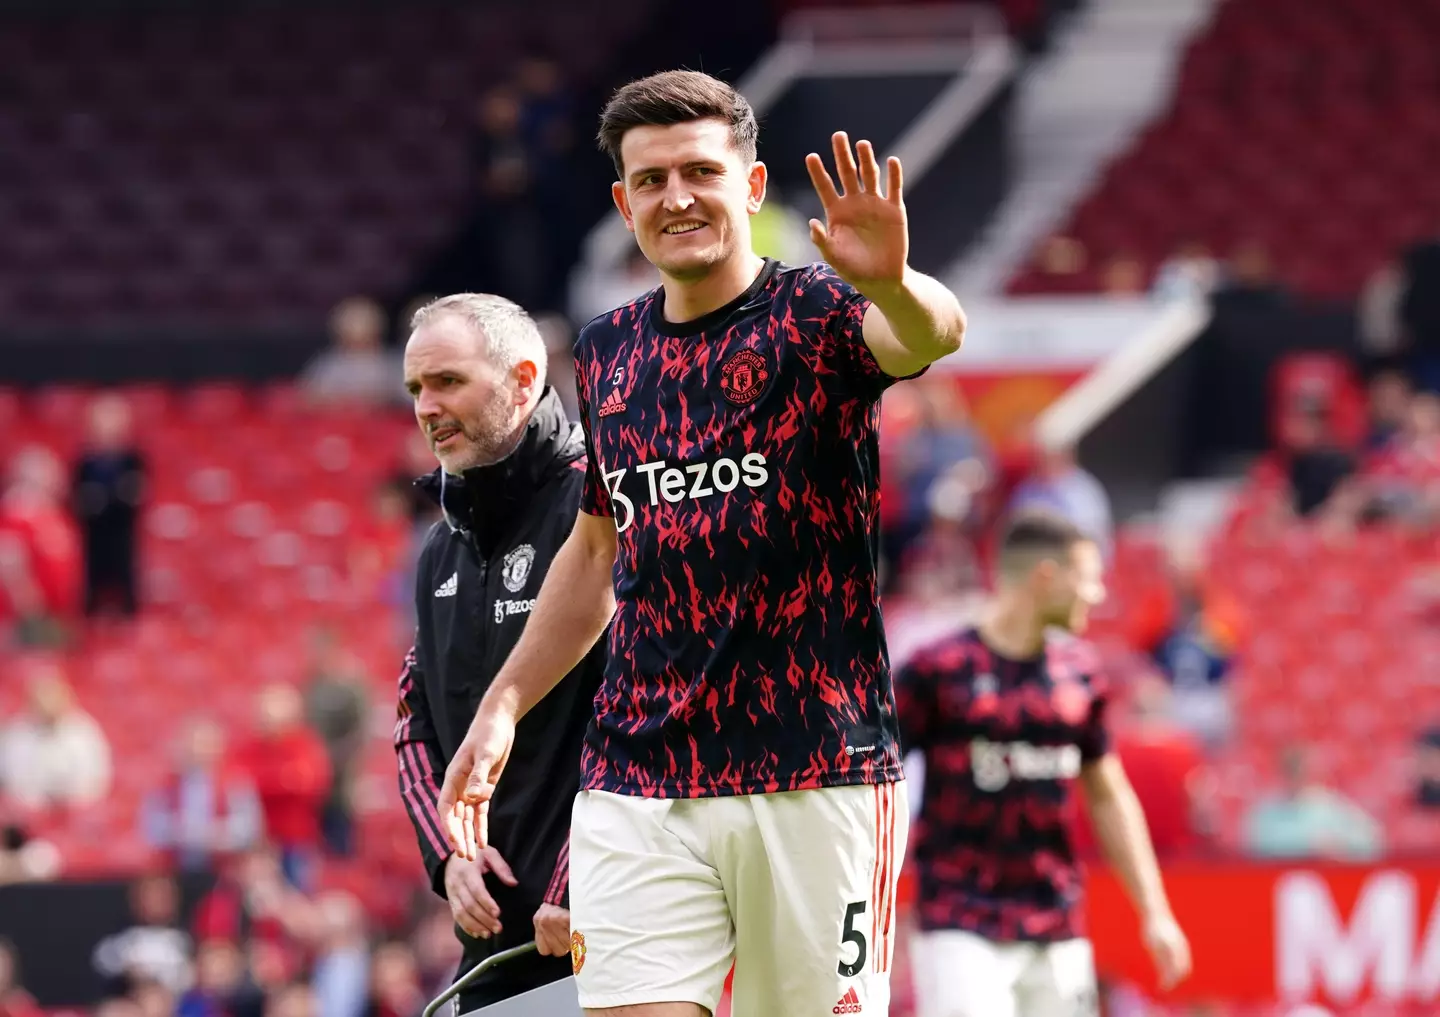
(622, 202)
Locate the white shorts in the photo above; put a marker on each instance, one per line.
(960, 974)
(797, 889)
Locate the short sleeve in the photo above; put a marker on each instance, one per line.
(841, 309)
(595, 497)
(1094, 738)
(916, 702)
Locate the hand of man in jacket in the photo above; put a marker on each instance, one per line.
(474, 909)
(552, 930)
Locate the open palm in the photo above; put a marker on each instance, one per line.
(864, 238)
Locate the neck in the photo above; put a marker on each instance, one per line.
(687, 299)
(1013, 628)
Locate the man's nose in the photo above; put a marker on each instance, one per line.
(426, 407)
(677, 194)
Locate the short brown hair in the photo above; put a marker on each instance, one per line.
(1033, 535)
(676, 97)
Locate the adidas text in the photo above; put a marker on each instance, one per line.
(849, 1003)
(505, 608)
(694, 481)
(449, 587)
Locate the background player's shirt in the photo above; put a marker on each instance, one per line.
(1003, 741)
(737, 455)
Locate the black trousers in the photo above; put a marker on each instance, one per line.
(529, 971)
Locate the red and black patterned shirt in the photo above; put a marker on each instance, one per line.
(737, 455)
(1002, 741)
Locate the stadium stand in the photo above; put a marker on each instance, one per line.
(1308, 129)
(249, 167)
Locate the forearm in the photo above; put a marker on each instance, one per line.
(575, 604)
(1120, 829)
(923, 315)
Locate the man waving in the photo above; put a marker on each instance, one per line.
(742, 793)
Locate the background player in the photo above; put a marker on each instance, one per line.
(1006, 719)
(743, 788)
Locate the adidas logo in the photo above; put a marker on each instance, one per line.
(612, 404)
(449, 587)
(849, 1003)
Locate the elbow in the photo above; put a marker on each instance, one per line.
(955, 336)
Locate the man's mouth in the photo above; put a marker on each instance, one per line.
(680, 228)
(442, 436)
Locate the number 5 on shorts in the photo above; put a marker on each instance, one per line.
(850, 934)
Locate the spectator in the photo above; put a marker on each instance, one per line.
(23, 858)
(291, 770)
(55, 755)
(107, 493)
(252, 903)
(356, 369)
(1403, 477)
(1306, 819)
(1420, 312)
(14, 1000)
(342, 957)
(297, 1000)
(154, 949)
(1390, 396)
(153, 999)
(207, 809)
(1427, 767)
(1315, 467)
(380, 547)
(1197, 629)
(1123, 276)
(1061, 485)
(394, 982)
(1164, 761)
(118, 1006)
(943, 564)
(1189, 274)
(1249, 279)
(937, 443)
(336, 707)
(220, 989)
(40, 569)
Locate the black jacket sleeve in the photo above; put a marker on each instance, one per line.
(420, 764)
(558, 892)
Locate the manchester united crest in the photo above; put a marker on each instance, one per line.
(743, 377)
(577, 951)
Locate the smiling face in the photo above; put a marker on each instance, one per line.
(688, 195)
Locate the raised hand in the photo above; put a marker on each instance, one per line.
(865, 237)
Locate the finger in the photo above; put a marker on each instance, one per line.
(479, 909)
(468, 821)
(820, 180)
(869, 168)
(845, 163)
(482, 824)
(500, 867)
(455, 830)
(895, 182)
(818, 235)
(463, 919)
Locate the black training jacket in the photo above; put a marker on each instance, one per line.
(476, 583)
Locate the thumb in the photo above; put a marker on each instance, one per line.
(818, 236)
(500, 867)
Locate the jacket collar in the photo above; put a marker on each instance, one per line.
(485, 500)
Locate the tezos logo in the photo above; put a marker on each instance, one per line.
(695, 481)
(995, 764)
(508, 608)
